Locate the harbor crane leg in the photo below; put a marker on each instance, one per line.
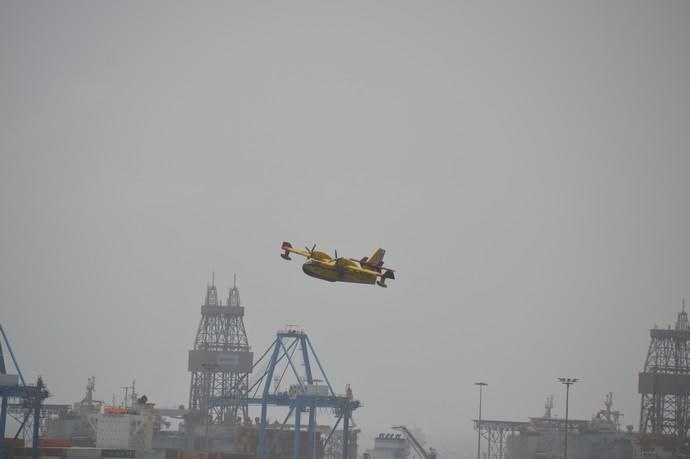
(3, 408)
(298, 431)
(3, 421)
(311, 435)
(37, 420)
(346, 432)
(264, 408)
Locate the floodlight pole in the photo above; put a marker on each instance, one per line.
(479, 423)
(568, 382)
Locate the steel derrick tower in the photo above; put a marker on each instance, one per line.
(665, 381)
(221, 359)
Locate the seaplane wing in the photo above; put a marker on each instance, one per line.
(310, 254)
(288, 249)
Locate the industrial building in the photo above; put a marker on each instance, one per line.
(543, 437)
(216, 423)
(664, 386)
(388, 446)
(226, 381)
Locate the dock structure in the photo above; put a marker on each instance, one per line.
(496, 433)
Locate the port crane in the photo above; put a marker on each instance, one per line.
(431, 454)
(291, 350)
(31, 398)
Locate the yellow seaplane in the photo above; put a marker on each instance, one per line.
(368, 270)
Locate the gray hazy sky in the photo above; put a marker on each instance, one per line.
(526, 166)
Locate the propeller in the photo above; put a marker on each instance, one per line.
(336, 254)
(311, 251)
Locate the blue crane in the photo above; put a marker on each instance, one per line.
(32, 397)
(304, 396)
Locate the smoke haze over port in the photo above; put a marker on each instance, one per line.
(525, 166)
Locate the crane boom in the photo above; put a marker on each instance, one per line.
(431, 454)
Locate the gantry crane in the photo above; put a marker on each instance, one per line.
(292, 350)
(30, 396)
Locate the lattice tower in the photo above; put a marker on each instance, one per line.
(665, 381)
(221, 359)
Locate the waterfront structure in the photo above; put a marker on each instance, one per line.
(543, 437)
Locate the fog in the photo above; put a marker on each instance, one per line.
(525, 165)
